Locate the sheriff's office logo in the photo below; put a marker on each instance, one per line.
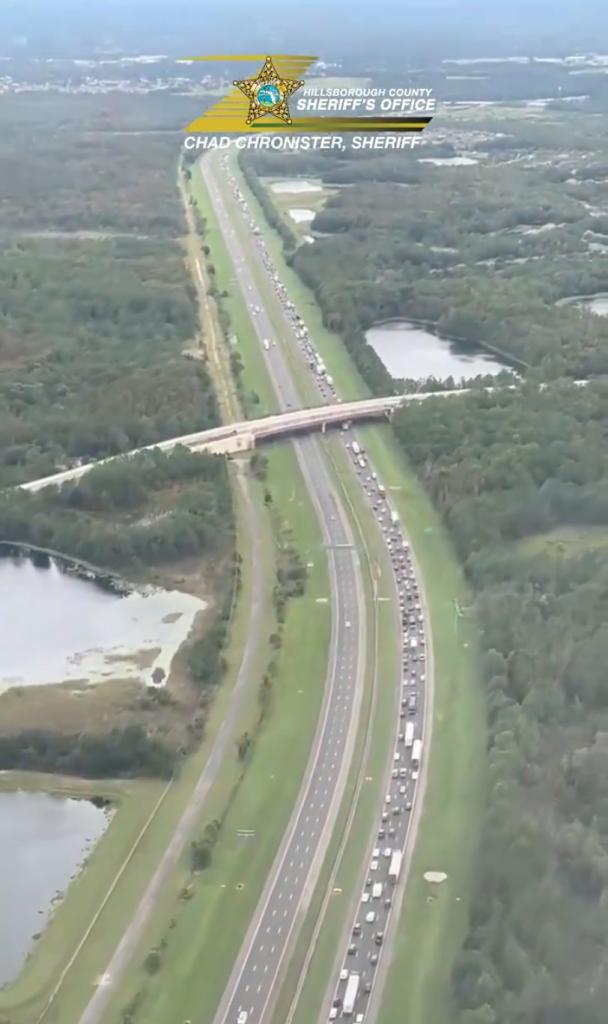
(268, 93)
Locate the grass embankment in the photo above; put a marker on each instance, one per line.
(208, 927)
(433, 920)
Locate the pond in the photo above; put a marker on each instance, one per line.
(44, 840)
(57, 627)
(408, 351)
(294, 186)
(301, 216)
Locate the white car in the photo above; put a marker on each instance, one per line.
(365, 897)
(343, 974)
(242, 1017)
(371, 917)
(333, 1013)
(374, 865)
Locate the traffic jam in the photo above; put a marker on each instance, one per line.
(356, 978)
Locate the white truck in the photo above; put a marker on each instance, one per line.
(376, 890)
(409, 734)
(416, 754)
(350, 994)
(394, 868)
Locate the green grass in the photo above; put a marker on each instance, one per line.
(564, 541)
(210, 926)
(433, 921)
(357, 823)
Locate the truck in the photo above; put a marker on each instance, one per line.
(409, 734)
(266, 344)
(356, 448)
(376, 890)
(350, 994)
(416, 754)
(394, 868)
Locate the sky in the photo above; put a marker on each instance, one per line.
(332, 28)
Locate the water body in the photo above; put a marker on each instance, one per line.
(302, 216)
(294, 186)
(408, 351)
(57, 627)
(597, 304)
(43, 842)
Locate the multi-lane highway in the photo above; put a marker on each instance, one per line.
(365, 943)
(253, 981)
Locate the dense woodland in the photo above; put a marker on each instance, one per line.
(505, 470)
(460, 247)
(147, 510)
(92, 336)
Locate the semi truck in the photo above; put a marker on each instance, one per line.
(350, 994)
(409, 734)
(394, 868)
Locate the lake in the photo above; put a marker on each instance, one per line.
(294, 186)
(43, 841)
(415, 352)
(57, 627)
(301, 216)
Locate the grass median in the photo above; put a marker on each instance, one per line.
(433, 919)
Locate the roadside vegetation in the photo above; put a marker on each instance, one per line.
(502, 471)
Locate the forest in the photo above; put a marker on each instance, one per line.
(512, 474)
(147, 510)
(94, 365)
(483, 253)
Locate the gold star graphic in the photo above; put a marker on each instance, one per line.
(268, 93)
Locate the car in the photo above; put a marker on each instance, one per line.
(387, 852)
(367, 987)
(387, 798)
(402, 790)
(344, 974)
(357, 928)
(391, 831)
(384, 816)
(370, 917)
(368, 883)
(408, 805)
(352, 949)
(333, 1013)
(387, 902)
(395, 773)
(347, 624)
(374, 865)
(381, 833)
(375, 852)
(396, 809)
(365, 897)
(373, 959)
(242, 1017)
(403, 773)
(379, 938)
(359, 1018)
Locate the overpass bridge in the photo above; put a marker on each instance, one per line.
(234, 438)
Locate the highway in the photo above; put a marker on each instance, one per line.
(291, 880)
(383, 879)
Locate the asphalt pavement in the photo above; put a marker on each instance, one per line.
(253, 982)
(365, 944)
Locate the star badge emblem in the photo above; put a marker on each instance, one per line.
(268, 93)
